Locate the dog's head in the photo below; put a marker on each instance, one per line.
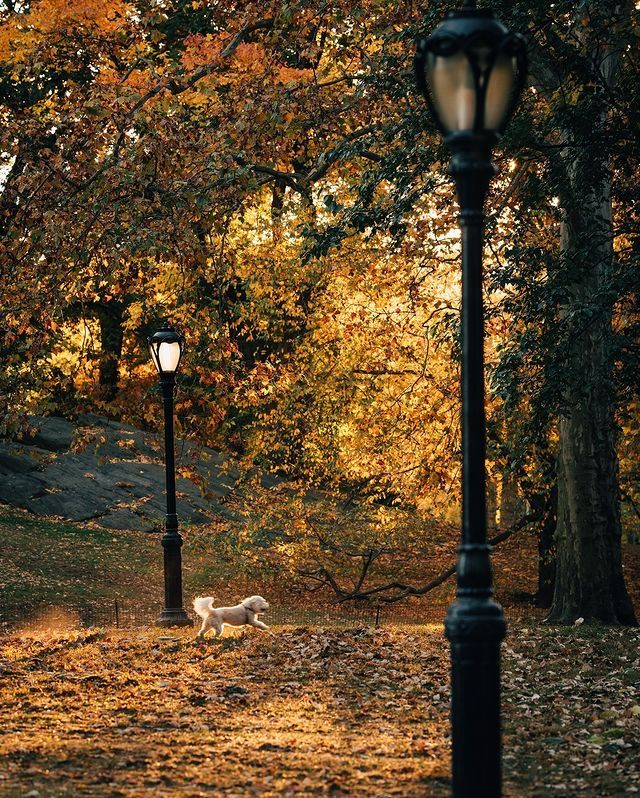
(256, 604)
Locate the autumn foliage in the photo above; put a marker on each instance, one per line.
(265, 176)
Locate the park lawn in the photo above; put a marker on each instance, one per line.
(360, 712)
(46, 561)
(62, 573)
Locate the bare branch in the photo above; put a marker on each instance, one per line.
(241, 35)
(403, 590)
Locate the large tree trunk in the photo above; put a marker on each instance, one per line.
(589, 580)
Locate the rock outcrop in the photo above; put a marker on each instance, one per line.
(97, 469)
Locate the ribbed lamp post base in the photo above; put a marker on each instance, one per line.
(174, 618)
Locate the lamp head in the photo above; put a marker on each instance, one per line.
(166, 347)
(471, 71)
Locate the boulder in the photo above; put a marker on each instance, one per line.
(114, 475)
(18, 489)
(125, 519)
(51, 433)
(16, 459)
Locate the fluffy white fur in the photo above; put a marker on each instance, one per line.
(242, 614)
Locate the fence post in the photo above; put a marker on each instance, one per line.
(377, 616)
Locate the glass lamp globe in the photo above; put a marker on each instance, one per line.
(471, 71)
(166, 347)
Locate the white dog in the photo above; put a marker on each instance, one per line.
(242, 614)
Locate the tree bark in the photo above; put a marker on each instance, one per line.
(110, 316)
(547, 550)
(510, 502)
(492, 503)
(589, 578)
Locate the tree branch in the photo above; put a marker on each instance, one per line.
(626, 497)
(403, 590)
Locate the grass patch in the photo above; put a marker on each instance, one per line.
(52, 562)
(45, 561)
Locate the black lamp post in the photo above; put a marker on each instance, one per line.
(471, 71)
(166, 350)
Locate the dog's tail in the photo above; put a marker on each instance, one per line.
(203, 605)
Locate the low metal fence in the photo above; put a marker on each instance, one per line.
(125, 615)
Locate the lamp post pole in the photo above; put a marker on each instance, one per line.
(166, 350)
(475, 624)
(471, 71)
(173, 613)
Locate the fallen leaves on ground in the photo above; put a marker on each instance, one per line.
(361, 712)
(572, 715)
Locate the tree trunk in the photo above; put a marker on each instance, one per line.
(547, 551)
(110, 315)
(510, 503)
(492, 504)
(589, 578)
(589, 581)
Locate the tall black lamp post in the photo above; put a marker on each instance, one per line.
(471, 71)
(166, 350)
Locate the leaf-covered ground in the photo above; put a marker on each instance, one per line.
(307, 712)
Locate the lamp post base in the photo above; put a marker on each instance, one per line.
(174, 618)
(475, 627)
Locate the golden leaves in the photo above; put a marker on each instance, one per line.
(47, 21)
(201, 50)
(268, 703)
(141, 712)
(292, 77)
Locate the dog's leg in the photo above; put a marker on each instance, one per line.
(207, 623)
(259, 625)
(217, 626)
(202, 629)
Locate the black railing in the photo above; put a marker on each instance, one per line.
(125, 615)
